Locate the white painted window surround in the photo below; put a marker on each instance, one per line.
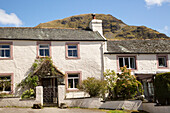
(128, 61)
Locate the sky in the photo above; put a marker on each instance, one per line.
(154, 14)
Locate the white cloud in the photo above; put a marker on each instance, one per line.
(9, 18)
(155, 2)
(165, 30)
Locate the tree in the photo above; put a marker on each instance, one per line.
(127, 85)
(110, 78)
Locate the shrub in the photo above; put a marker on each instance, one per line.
(28, 94)
(162, 88)
(93, 86)
(127, 85)
(110, 78)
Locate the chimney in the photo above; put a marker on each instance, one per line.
(96, 25)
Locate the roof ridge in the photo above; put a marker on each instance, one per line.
(37, 28)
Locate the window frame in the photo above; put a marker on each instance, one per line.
(10, 48)
(43, 43)
(12, 81)
(78, 50)
(67, 78)
(128, 56)
(166, 61)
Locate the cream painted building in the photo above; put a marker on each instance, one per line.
(76, 55)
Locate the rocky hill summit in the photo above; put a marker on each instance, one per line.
(113, 28)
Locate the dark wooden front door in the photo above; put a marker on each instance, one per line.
(49, 90)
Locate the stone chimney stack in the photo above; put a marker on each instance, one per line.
(96, 25)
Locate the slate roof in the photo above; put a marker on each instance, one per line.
(45, 34)
(138, 47)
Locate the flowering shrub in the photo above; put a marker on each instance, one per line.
(127, 86)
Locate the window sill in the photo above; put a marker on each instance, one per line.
(6, 58)
(72, 58)
(72, 89)
(163, 68)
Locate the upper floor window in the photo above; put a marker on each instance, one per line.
(72, 50)
(130, 62)
(162, 61)
(43, 49)
(5, 50)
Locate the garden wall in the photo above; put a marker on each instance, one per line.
(96, 103)
(14, 101)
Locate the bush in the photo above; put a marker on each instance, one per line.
(28, 94)
(93, 86)
(127, 86)
(162, 88)
(110, 78)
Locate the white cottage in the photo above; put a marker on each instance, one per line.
(77, 54)
(145, 58)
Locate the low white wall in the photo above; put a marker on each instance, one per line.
(96, 103)
(151, 108)
(4, 102)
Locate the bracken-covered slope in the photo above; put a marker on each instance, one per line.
(113, 28)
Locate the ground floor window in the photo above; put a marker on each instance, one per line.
(5, 83)
(73, 80)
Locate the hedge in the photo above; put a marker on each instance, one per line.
(162, 88)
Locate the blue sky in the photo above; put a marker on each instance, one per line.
(154, 14)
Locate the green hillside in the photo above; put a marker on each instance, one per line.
(113, 28)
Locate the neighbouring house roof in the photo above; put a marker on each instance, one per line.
(138, 47)
(48, 34)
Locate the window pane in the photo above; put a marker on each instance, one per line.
(120, 62)
(72, 46)
(76, 82)
(2, 52)
(41, 52)
(132, 63)
(70, 83)
(162, 62)
(126, 62)
(44, 46)
(75, 53)
(70, 53)
(4, 46)
(73, 75)
(47, 52)
(7, 53)
(5, 83)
